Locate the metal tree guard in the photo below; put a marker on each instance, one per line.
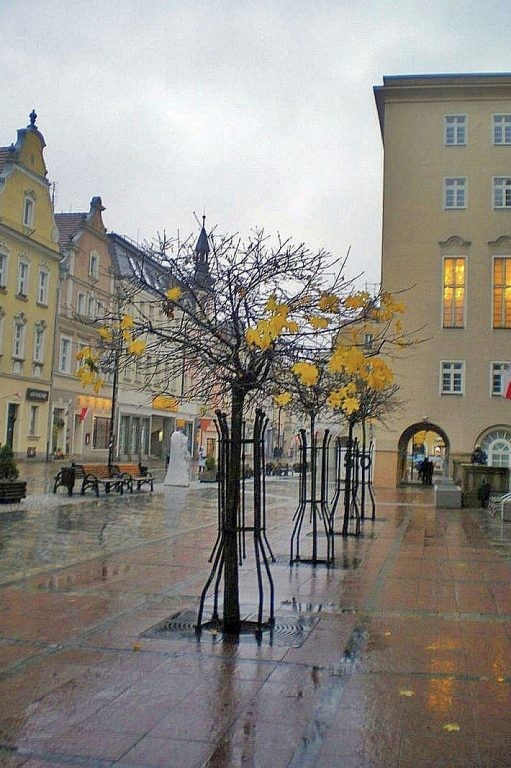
(309, 501)
(249, 520)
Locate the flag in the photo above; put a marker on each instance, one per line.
(506, 384)
(83, 414)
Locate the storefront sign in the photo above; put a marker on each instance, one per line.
(41, 395)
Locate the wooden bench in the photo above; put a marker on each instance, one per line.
(119, 477)
(138, 476)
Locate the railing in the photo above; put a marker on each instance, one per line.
(496, 505)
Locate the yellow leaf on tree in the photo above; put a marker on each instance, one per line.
(357, 300)
(174, 294)
(126, 335)
(271, 304)
(451, 727)
(137, 347)
(283, 399)
(319, 322)
(126, 322)
(98, 385)
(350, 405)
(105, 333)
(292, 326)
(329, 302)
(306, 372)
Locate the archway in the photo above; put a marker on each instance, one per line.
(418, 441)
(496, 443)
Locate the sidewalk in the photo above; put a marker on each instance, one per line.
(404, 658)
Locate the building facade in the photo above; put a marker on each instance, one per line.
(80, 419)
(447, 245)
(29, 277)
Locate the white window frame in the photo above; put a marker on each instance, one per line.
(18, 340)
(505, 288)
(502, 192)
(449, 366)
(23, 276)
(459, 126)
(91, 306)
(2, 328)
(4, 265)
(33, 420)
(497, 368)
(81, 345)
(455, 184)
(43, 287)
(454, 286)
(501, 123)
(28, 210)
(39, 339)
(81, 304)
(94, 265)
(65, 354)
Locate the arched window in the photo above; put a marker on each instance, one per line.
(497, 445)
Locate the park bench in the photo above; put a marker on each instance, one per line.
(119, 477)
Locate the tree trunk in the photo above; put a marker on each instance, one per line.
(231, 586)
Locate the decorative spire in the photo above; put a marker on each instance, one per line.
(33, 118)
(202, 274)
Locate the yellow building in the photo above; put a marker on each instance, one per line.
(447, 239)
(29, 276)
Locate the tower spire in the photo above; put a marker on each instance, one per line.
(202, 274)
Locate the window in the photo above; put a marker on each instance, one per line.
(502, 192)
(42, 290)
(91, 308)
(452, 378)
(455, 193)
(3, 270)
(80, 304)
(28, 211)
(455, 130)
(368, 340)
(497, 370)
(100, 432)
(81, 346)
(65, 355)
(22, 288)
(454, 292)
(502, 292)
(18, 339)
(33, 418)
(502, 129)
(39, 344)
(94, 264)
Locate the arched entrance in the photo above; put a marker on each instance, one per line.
(416, 442)
(496, 443)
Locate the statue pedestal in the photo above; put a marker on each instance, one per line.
(470, 476)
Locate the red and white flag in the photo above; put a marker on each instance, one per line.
(506, 384)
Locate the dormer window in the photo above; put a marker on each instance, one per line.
(28, 210)
(94, 265)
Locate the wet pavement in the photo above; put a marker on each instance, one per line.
(404, 656)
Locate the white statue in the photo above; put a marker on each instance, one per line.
(177, 471)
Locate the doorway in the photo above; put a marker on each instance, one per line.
(418, 442)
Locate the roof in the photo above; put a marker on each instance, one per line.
(440, 86)
(4, 151)
(68, 225)
(131, 262)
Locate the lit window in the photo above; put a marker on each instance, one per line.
(42, 290)
(497, 371)
(455, 130)
(65, 355)
(454, 293)
(502, 292)
(22, 287)
(502, 129)
(502, 192)
(455, 193)
(452, 382)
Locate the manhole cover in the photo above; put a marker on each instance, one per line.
(288, 631)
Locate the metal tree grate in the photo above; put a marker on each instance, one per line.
(289, 631)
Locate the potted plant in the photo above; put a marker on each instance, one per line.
(209, 474)
(11, 489)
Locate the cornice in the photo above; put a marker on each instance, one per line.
(454, 241)
(28, 242)
(502, 240)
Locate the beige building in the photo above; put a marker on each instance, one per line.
(447, 242)
(29, 277)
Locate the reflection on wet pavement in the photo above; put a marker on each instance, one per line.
(404, 661)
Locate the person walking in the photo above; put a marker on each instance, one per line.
(202, 460)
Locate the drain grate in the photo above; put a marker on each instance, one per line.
(287, 632)
(341, 564)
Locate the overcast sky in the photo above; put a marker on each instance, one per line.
(260, 112)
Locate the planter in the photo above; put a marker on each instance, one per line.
(12, 491)
(208, 476)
